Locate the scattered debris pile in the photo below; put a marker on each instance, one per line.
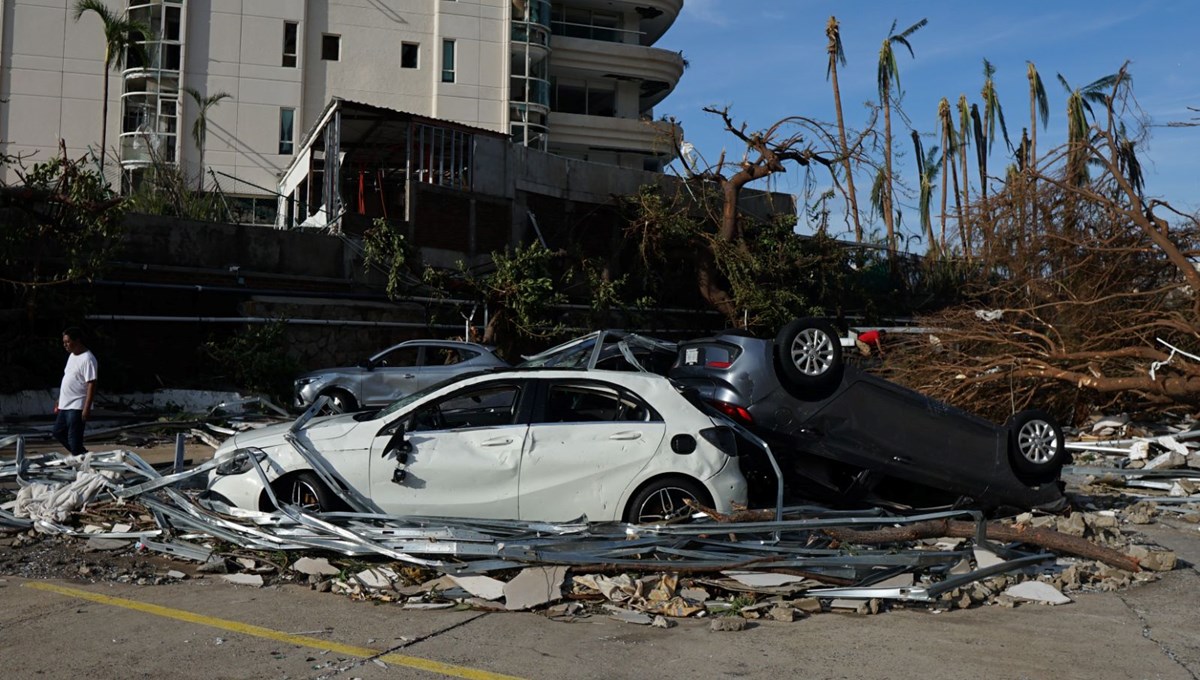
(1157, 467)
(811, 559)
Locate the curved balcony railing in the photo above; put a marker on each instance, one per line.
(143, 148)
(162, 56)
(529, 90)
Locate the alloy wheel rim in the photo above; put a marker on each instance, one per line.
(665, 506)
(305, 497)
(1037, 442)
(812, 352)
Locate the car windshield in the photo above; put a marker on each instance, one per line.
(406, 400)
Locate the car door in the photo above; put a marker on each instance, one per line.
(588, 440)
(464, 459)
(393, 374)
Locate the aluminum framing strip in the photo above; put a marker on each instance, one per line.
(1175, 473)
(328, 474)
(927, 593)
(179, 548)
(1178, 436)
(315, 522)
(168, 480)
(250, 400)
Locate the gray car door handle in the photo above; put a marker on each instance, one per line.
(408, 376)
(626, 435)
(498, 442)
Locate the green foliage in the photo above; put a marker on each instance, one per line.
(256, 359)
(162, 189)
(386, 247)
(62, 225)
(523, 290)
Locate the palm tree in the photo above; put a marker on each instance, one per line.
(950, 146)
(1079, 109)
(200, 127)
(838, 56)
(991, 107)
(120, 39)
(928, 168)
(1039, 107)
(964, 140)
(887, 73)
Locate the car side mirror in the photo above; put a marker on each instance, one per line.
(398, 446)
(367, 364)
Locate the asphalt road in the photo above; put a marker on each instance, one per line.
(207, 628)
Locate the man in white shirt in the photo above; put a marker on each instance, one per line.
(76, 393)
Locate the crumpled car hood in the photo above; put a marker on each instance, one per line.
(317, 429)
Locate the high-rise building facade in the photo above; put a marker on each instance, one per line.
(578, 78)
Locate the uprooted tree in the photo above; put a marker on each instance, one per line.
(1084, 283)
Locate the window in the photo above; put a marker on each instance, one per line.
(409, 53)
(487, 405)
(331, 47)
(583, 97)
(260, 210)
(287, 120)
(447, 61)
(591, 403)
(400, 357)
(289, 43)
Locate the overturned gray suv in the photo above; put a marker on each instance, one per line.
(393, 373)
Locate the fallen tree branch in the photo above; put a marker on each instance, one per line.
(1041, 537)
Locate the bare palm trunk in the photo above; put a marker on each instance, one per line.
(837, 103)
(945, 179)
(104, 112)
(888, 218)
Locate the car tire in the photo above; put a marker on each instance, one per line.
(809, 353)
(306, 490)
(662, 501)
(1035, 445)
(340, 401)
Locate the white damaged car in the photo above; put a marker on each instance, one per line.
(514, 444)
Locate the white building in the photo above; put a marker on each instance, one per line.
(578, 78)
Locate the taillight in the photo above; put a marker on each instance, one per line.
(719, 364)
(721, 437)
(733, 411)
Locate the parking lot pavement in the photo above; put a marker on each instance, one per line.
(205, 629)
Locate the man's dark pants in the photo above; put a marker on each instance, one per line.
(68, 429)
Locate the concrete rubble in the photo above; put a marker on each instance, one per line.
(782, 570)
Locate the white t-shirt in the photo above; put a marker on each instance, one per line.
(81, 369)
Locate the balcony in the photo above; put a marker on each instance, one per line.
(656, 17)
(656, 69)
(652, 138)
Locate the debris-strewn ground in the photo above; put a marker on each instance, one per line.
(814, 561)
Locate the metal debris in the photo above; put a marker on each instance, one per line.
(782, 569)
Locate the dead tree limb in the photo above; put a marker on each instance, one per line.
(1041, 537)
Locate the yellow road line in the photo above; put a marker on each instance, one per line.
(258, 631)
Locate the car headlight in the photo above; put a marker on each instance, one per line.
(239, 461)
(307, 381)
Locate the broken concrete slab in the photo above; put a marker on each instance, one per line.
(484, 587)
(762, 579)
(318, 566)
(1153, 559)
(95, 544)
(628, 615)
(244, 579)
(533, 587)
(1037, 591)
(380, 577)
(727, 624)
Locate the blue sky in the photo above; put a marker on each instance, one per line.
(766, 59)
